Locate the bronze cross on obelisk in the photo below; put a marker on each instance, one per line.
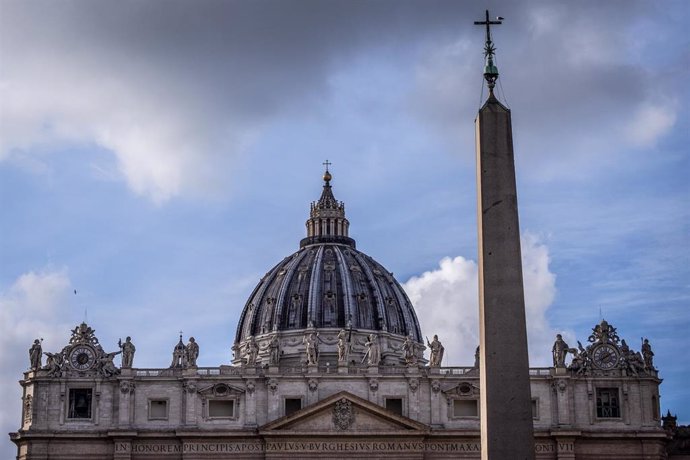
(490, 71)
(488, 24)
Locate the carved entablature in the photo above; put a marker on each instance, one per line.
(83, 356)
(608, 355)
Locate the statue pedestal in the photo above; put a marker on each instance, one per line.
(434, 370)
(373, 370)
(559, 371)
(126, 372)
(190, 372)
(342, 368)
(412, 369)
(273, 369)
(249, 370)
(312, 368)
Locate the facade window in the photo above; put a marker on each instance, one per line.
(535, 409)
(655, 408)
(395, 405)
(292, 405)
(221, 408)
(608, 403)
(158, 409)
(80, 400)
(465, 408)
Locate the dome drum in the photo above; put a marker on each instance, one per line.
(292, 348)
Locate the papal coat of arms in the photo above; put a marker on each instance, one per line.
(343, 414)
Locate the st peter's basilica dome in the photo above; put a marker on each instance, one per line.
(328, 284)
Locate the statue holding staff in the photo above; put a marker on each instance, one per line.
(437, 350)
(128, 350)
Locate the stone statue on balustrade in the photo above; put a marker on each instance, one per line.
(54, 364)
(107, 366)
(632, 361)
(251, 351)
(559, 350)
(343, 346)
(409, 349)
(436, 354)
(128, 350)
(373, 353)
(580, 359)
(35, 355)
(274, 351)
(192, 352)
(311, 342)
(647, 355)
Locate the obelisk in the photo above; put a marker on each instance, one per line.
(506, 402)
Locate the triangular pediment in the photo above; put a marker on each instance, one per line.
(344, 413)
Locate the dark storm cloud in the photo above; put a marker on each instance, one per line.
(191, 84)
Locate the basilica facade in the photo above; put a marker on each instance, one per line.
(329, 362)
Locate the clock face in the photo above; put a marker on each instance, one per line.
(82, 358)
(605, 356)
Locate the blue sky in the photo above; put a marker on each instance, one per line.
(160, 159)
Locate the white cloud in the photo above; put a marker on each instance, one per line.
(163, 147)
(29, 309)
(446, 301)
(651, 122)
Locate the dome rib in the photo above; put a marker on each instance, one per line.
(314, 287)
(285, 285)
(377, 299)
(348, 296)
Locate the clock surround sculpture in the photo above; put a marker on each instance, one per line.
(605, 354)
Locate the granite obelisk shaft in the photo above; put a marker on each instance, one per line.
(506, 402)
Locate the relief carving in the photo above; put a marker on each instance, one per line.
(343, 414)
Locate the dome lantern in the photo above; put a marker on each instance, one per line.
(327, 222)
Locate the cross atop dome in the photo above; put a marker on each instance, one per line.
(327, 175)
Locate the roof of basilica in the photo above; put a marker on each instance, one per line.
(328, 283)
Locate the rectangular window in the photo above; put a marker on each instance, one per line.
(158, 409)
(535, 409)
(221, 408)
(608, 404)
(80, 403)
(395, 405)
(465, 408)
(292, 405)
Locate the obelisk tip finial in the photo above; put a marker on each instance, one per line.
(490, 69)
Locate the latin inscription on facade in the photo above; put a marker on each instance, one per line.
(317, 446)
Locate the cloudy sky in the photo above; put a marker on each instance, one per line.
(159, 157)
